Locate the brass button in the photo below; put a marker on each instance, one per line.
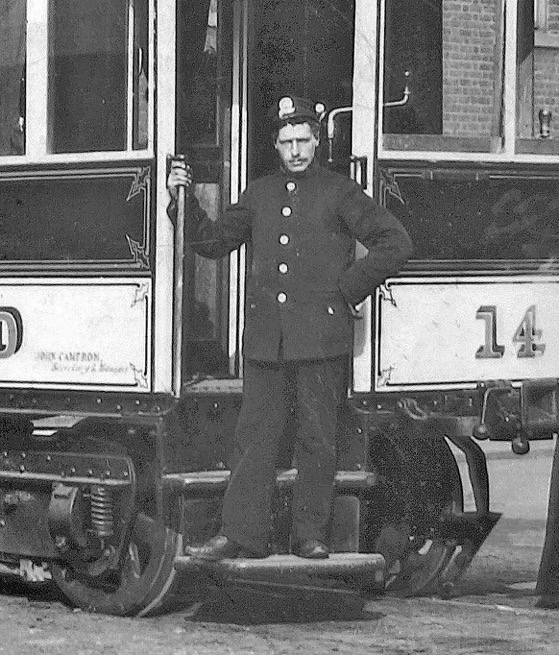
(286, 211)
(291, 186)
(282, 268)
(282, 297)
(284, 239)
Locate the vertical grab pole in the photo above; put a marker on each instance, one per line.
(179, 284)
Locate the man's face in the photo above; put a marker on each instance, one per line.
(296, 145)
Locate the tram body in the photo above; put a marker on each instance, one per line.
(121, 351)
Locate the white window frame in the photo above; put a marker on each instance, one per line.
(508, 151)
(239, 173)
(37, 129)
(541, 15)
(543, 37)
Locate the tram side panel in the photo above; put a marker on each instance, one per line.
(472, 320)
(81, 428)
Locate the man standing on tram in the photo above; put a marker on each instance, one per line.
(303, 288)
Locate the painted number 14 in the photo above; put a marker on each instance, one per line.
(527, 335)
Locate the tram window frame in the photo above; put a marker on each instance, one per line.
(538, 42)
(541, 15)
(439, 145)
(510, 147)
(38, 91)
(206, 328)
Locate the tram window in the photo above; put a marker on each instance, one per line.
(203, 84)
(98, 75)
(315, 60)
(198, 72)
(205, 320)
(537, 77)
(12, 90)
(496, 217)
(454, 56)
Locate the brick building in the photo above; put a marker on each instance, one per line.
(456, 50)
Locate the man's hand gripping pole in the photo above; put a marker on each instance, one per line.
(180, 186)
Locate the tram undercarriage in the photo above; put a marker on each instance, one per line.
(105, 506)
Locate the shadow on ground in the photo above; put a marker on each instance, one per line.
(34, 592)
(231, 603)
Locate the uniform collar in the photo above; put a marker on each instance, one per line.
(311, 171)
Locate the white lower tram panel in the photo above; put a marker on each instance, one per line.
(78, 333)
(445, 333)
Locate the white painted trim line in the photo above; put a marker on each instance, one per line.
(151, 76)
(37, 80)
(510, 77)
(75, 158)
(130, 78)
(475, 158)
(364, 144)
(380, 50)
(164, 234)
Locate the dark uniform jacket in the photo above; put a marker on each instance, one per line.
(303, 275)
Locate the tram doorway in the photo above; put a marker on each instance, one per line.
(235, 59)
(303, 48)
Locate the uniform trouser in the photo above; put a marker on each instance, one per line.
(548, 574)
(319, 387)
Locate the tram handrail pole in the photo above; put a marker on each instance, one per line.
(179, 284)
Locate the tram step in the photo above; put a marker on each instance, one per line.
(208, 482)
(364, 569)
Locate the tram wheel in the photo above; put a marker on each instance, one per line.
(145, 582)
(420, 486)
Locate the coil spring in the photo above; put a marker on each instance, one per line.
(102, 511)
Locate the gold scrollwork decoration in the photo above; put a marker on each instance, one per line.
(138, 253)
(389, 183)
(384, 377)
(140, 294)
(140, 182)
(386, 294)
(140, 377)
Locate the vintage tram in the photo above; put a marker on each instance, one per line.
(120, 350)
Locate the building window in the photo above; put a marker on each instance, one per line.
(541, 12)
(452, 63)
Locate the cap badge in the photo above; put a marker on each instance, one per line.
(286, 107)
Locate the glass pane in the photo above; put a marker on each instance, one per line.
(197, 73)
(468, 219)
(89, 75)
(205, 315)
(450, 56)
(12, 76)
(537, 78)
(140, 71)
(304, 48)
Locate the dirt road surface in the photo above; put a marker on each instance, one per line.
(496, 622)
(491, 612)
